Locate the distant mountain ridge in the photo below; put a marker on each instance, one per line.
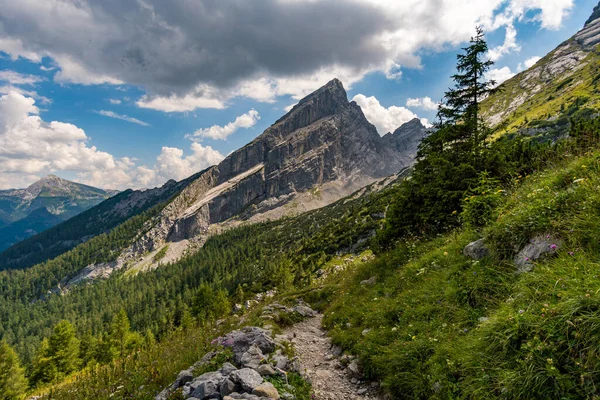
(45, 203)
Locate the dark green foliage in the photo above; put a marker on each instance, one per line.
(480, 204)
(450, 159)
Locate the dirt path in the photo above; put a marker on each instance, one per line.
(329, 379)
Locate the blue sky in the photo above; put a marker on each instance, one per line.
(113, 101)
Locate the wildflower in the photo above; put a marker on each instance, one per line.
(571, 253)
(414, 337)
(521, 311)
(549, 360)
(445, 253)
(394, 329)
(553, 246)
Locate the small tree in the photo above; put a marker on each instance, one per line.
(63, 348)
(12, 376)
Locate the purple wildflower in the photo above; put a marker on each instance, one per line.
(553, 246)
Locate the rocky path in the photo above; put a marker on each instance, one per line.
(329, 378)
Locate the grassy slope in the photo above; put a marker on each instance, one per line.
(438, 324)
(560, 97)
(444, 326)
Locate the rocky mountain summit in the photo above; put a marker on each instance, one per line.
(45, 203)
(324, 148)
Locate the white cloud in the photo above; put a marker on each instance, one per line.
(31, 147)
(425, 103)
(47, 69)
(500, 75)
(127, 118)
(510, 44)
(287, 109)
(114, 101)
(6, 89)
(290, 50)
(217, 132)
(15, 78)
(385, 119)
(171, 164)
(175, 103)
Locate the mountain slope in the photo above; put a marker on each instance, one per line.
(51, 200)
(322, 150)
(96, 220)
(562, 85)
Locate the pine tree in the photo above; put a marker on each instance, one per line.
(119, 333)
(12, 376)
(451, 158)
(63, 348)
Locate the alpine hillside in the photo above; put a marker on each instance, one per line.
(564, 84)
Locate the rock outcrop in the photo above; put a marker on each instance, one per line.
(562, 63)
(324, 140)
(256, 354)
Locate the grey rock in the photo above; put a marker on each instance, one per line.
(280, 361)
(206, 385)
(228, 387)
(476, 250)
(247, 378)
(227, 369)
(336, 351)
(252, 358)
(369, 282)
(265, 370)
(362, 391)
(539, 247)
(324, 139)
(354, 369)
(183, 377)
(240, 341)
(304, 311)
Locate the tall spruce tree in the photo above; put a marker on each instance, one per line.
(12, 376)
(451, 158)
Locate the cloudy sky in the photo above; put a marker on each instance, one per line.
(130, 93)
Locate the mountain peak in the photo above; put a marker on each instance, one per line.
(323, 102)
(595, 15)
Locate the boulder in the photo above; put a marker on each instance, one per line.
(247, 378)
(229, 387)
(206, 386)
(227, 369)
(354, 369)
(265, 370)
(280, 361)
(266, 389)
(476, 250)
(369, 282)
(252, 358)
(539, 247)
(304, 311)
(241, 340)
(183, 377)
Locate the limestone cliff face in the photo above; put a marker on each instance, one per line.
(323, 139)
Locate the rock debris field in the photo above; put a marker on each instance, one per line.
(260, 356)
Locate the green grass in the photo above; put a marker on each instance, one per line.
(444, 326)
